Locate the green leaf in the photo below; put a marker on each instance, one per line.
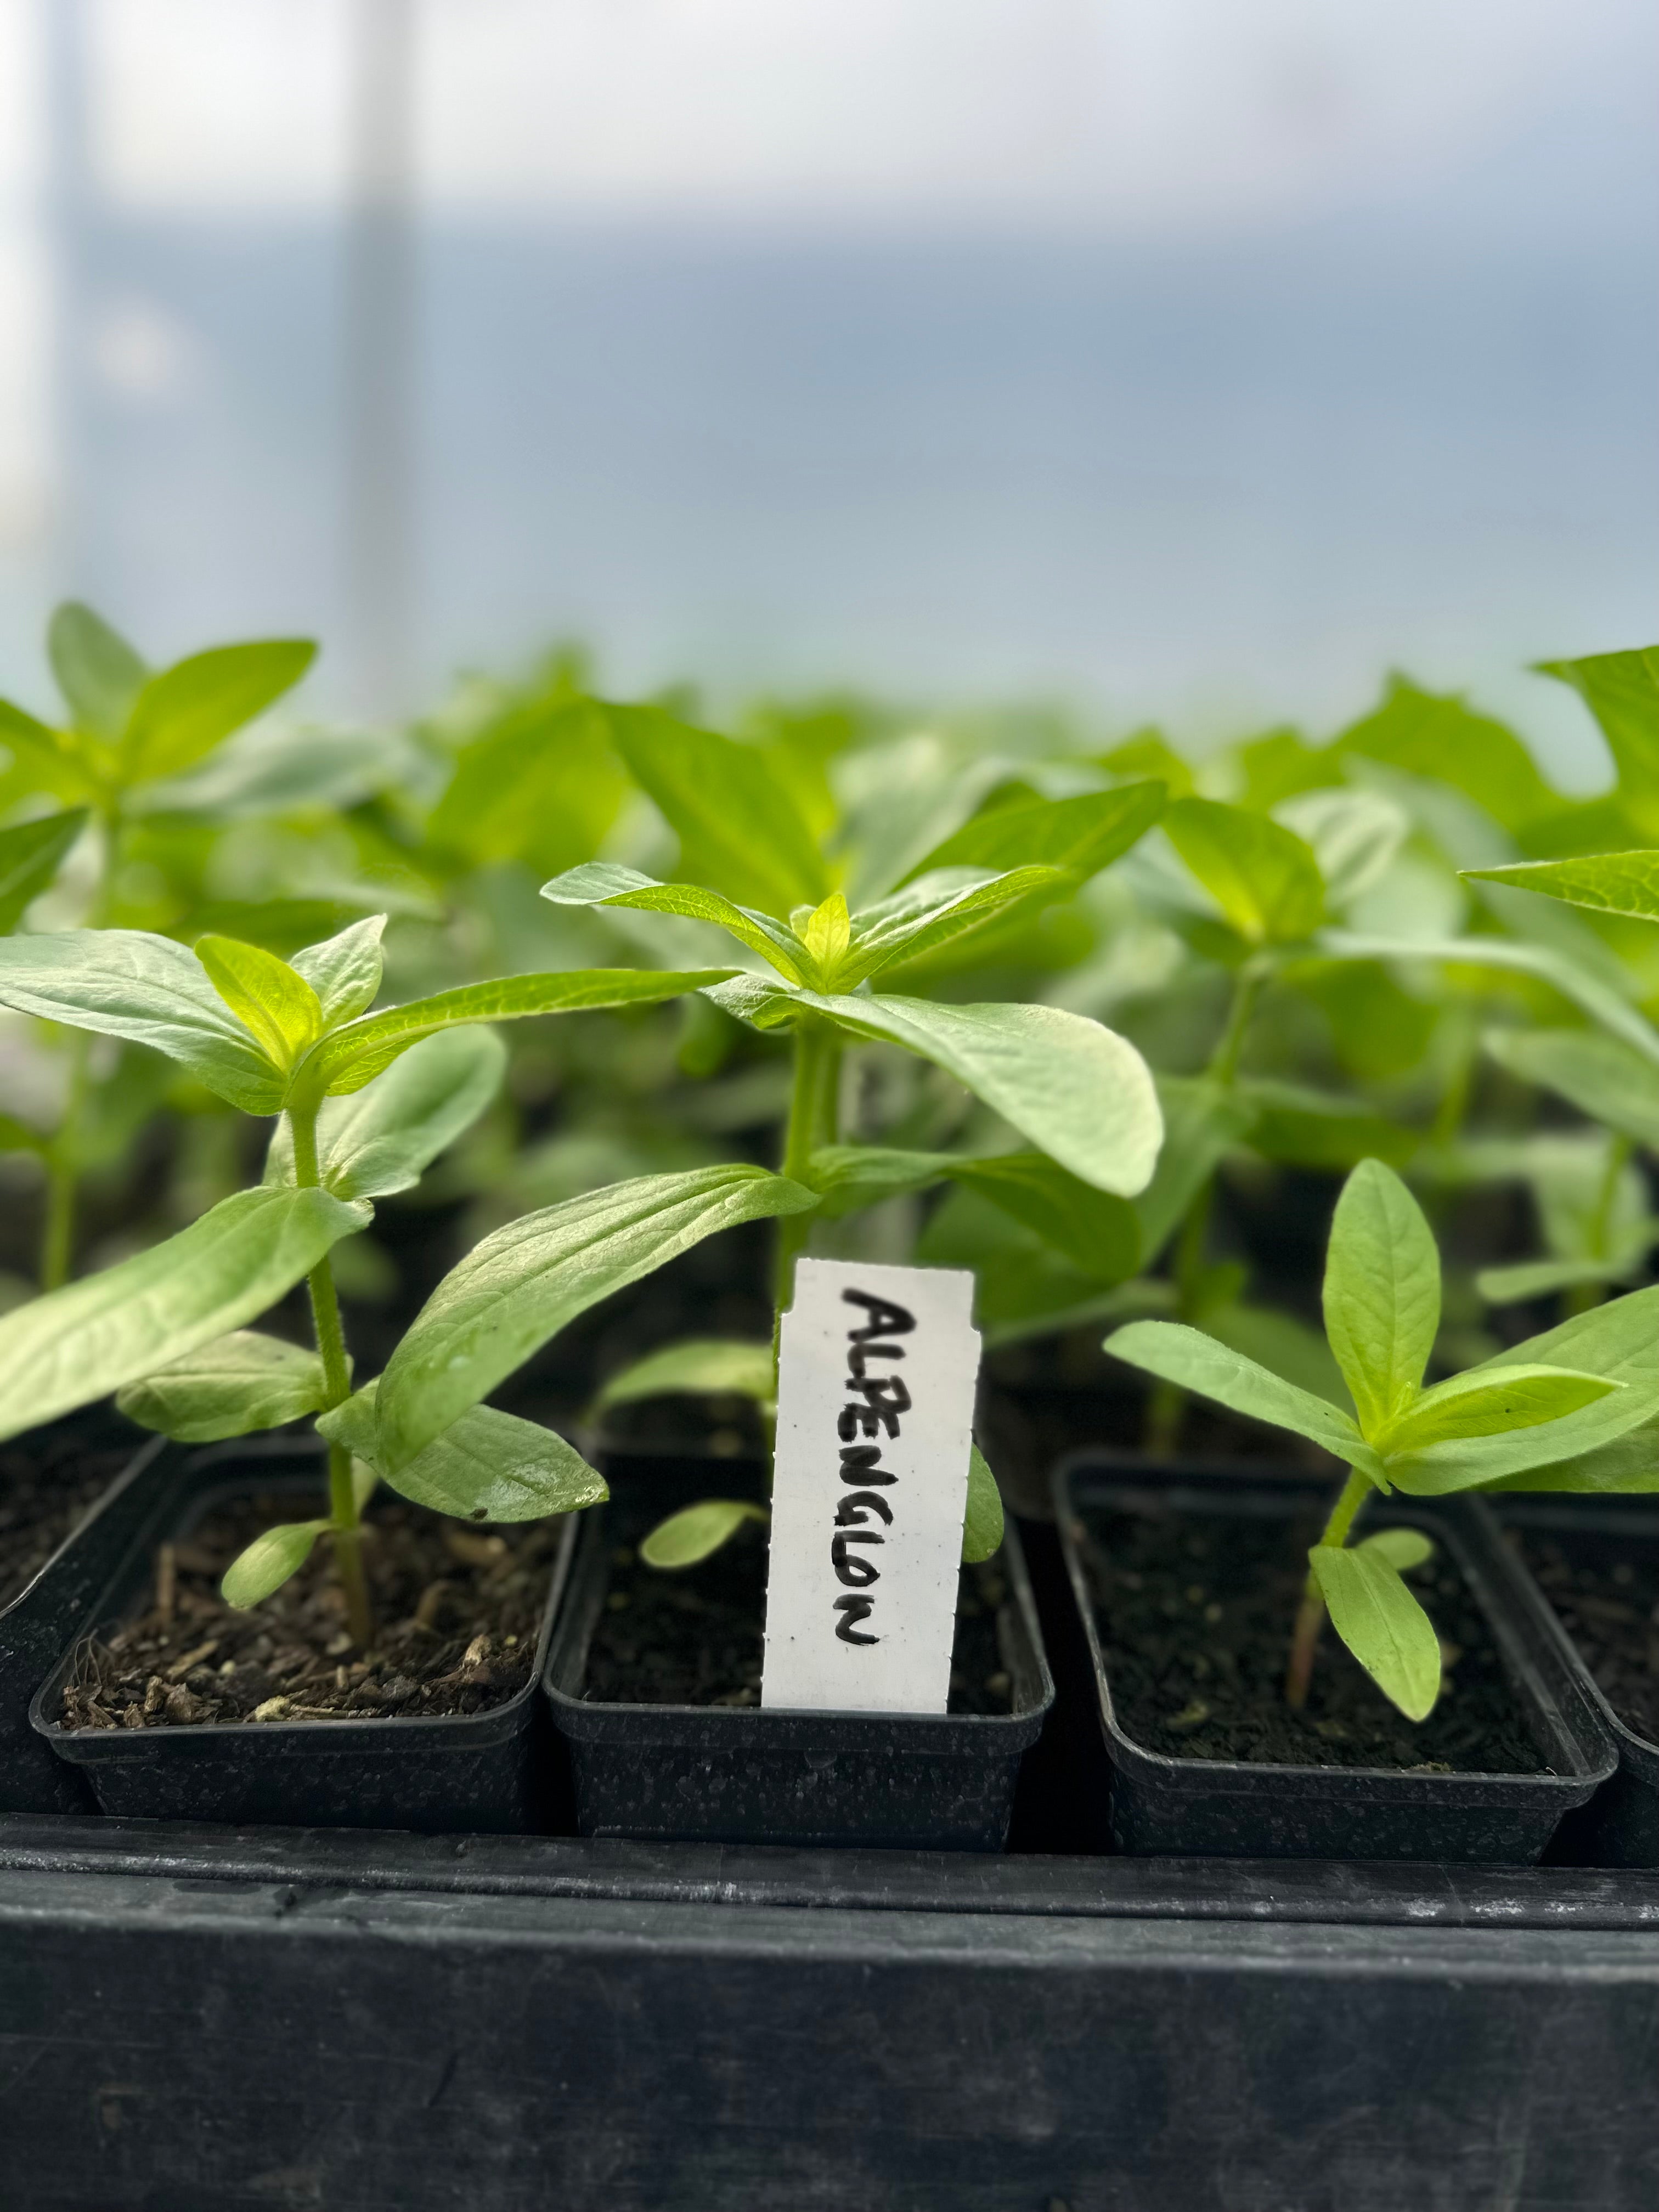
(541, 785)
(933, 912)
(607, 883)
(1437, 736)
(1479, 1404)
(347, 1057)
(1265, 880)
(713, 1365)
(79, 1343)
(228, 1388)
(98, 672)
(1540, 1279)
(269, 1561)
(828, 933)
(1382, 1624)
(739, 829)
(522, 1284)
(1621, 690)
(1403, 1548)
(16, 1136)
(1587, 991)
(345, 971)
(1354, 836)
(1629, 1466)
(1083, 834)
(1077, 1090)
(381, 1139)
(1619, 1341)
(276, 1005)
(31, 853)
(982, 1530)
(1606, 883)
(1601, 1076)
(1381, 1293)
(1287, 1347)
(43, 758)
(1309, 1128)
(189, 708)
(1100, 1233)
(486, 1466)
(696, 1531)
(128, 983)
(1194, 1361)
(1096, 1230)
(1203, 1120)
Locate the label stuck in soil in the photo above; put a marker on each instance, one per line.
(878, 1367)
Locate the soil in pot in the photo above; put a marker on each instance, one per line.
(459, 1610)
(694, 1637)
(48, 1483)
(1194, 1613)
(1606, 1591)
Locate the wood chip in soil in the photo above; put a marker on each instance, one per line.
(694, 1635)
(1194, 1613)
(458, 1609)
(48, 1486)
(1606, 1589)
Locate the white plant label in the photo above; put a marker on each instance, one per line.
(876, 1372)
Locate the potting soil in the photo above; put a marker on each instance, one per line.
(1194, 1613)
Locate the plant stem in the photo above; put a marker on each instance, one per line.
(57, 1234)
(63, 1175)
(1460, 1085)
(1247, 988)
(337, 1386)
(1582, 1296)
(812, 1117)
(1167, 1401)
(1310, 1614)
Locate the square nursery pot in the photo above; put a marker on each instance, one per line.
(1620, 1826)
(43, 1616)
(493, 1772)
(723, 1774)
(1146, 1802)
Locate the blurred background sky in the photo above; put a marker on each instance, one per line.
(1184, 357)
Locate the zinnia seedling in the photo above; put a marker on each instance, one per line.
(128, 731)
(366, 1100)
(1079, 1095)
(1542, 1416)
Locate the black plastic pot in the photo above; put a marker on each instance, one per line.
(47, 1612)
(1154, 1803)
(1620, 1826)
(698, 1773)
(493, 1772)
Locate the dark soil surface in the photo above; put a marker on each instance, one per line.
(694, 1637)
(458, 1611)
(1606, 1589)
(1194, 1613)
(45, 1491)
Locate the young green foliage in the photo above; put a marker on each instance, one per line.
(367, 1101)
(1263, 877)
(128, 730)
(1546, 1405)
(1081, 1096)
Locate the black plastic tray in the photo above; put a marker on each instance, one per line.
(714, 1773)
(205, 2021)
(1620, 1826)
(47, 1612)
(1155, 1804)
(494, 1771)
